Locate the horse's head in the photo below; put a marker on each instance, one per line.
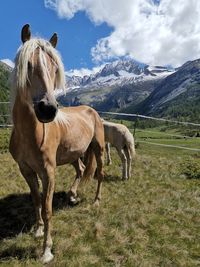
(41, 73)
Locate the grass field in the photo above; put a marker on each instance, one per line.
(151, 220)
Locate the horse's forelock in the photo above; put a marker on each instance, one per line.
(24, 53)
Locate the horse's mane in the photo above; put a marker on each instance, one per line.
(20, 72)
(61, 118)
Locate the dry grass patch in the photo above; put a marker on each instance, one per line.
(151, 220)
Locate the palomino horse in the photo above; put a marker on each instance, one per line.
(45, 136)
(121, 138)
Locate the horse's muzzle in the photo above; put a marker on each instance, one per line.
(45, 111)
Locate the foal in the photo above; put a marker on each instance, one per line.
(121, 138)
(44, 136)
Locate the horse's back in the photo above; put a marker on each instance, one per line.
(115, 129)
(117, 134)
(85, 114)
(83, 109)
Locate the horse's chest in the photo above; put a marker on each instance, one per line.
(25, 151)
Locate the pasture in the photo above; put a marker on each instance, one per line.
(150, 220)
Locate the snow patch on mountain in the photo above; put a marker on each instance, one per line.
(8, 62)
(118, 73)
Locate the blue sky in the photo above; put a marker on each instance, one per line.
(93, 32)
(76, 36)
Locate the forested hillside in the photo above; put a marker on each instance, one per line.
(5, 71)
(177, 96)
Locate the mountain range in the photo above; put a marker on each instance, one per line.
(177, 95)
(121, 72)
(115, 86)
(129, 86)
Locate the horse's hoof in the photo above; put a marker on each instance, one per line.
(125, 178)
(47, 257)
(39, 232)
(74, 201)
(96, 203)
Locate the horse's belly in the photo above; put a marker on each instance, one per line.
(64, 156)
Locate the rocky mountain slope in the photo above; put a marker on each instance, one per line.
(120, 72)
(178, 95)
(115, 86)
(5, 71)
(130, 87)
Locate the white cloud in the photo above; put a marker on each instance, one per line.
(168, 33)
(83, 71)
(8, 62)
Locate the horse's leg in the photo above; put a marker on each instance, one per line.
(48, 183)
(79, 167)
(32, 180)
(124, 162)
(129, 160)
(109, 161)
(99, 154)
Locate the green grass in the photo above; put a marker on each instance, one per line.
(4, 140)
(151, 220)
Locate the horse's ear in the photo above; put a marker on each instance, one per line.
(25, 33)
(54, 40)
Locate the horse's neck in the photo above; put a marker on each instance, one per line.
(23, 114)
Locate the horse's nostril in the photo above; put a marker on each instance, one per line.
(41, 106)
(52, 109)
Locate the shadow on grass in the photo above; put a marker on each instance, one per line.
(17, 252)
(17, 213)
(112, 178)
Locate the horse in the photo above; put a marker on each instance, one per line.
(121, 138)
(45, 136)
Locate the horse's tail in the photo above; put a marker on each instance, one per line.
(90, 164)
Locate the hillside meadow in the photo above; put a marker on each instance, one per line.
(150, 220)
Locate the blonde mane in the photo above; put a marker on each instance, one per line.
(61, 118)
(20, 72)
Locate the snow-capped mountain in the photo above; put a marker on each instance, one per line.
(7, 63)
(114, 86)
(121, 72)
(131, 87)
